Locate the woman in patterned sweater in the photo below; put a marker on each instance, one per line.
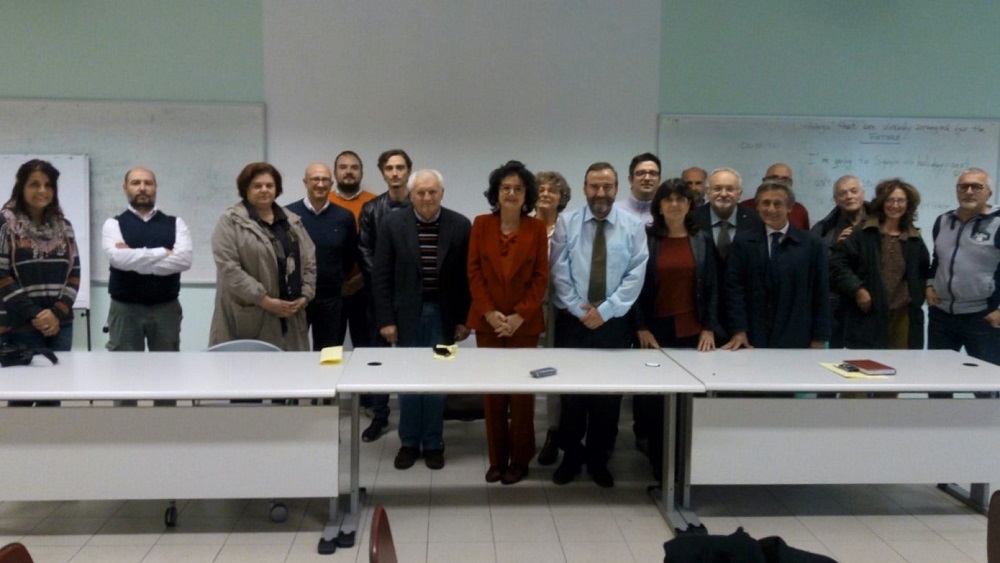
(39, 262)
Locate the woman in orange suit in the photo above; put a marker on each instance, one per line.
(508, 274)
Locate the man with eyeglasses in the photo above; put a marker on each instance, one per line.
(695, 178)
(963, 291)
(643, 179)
(727, 221)
(334, 232)
(780, 172)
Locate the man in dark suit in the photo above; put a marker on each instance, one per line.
(421, 292)
(777, 280)
(727, 221)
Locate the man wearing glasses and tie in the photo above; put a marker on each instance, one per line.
(726, 220)
(963, 291)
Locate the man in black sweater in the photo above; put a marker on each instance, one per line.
(333, 230)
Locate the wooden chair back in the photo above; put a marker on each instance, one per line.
(15, 553)
(380, 546)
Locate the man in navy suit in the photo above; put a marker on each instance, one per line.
(727, 221)
(421, 290)
(777, 280)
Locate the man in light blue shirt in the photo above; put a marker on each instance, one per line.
(597, 264)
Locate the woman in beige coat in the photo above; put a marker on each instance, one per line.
(265, 266)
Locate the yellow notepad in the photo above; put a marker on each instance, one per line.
(331, 355)
(832, 366)
(445, 351)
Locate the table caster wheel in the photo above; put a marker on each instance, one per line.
(170, 517)
(279, 512)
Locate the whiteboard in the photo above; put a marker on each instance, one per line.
(74, 199)
(928, 153)
(195, 149)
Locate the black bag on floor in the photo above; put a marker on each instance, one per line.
(738, 547)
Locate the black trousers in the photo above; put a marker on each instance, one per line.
(593, 418)
(323, 316)
(648, 409)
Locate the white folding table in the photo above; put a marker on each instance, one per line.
(748, 439)
(209, 451)
(497, 370)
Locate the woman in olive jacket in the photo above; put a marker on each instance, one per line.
(881, 272)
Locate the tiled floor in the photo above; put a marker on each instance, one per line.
(453, 515)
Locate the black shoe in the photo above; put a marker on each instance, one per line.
(375, 430)
(434, 459)
(601, 476)
(565, 473)
(406, 457)
(550, 452)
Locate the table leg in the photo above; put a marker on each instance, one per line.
(345, 510)
(977, 497)
(681, 520)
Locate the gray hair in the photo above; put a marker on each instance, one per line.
(989, 181)
(843, 179)
(425, 172)
(739, 179)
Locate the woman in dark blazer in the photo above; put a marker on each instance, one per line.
(881, 273)
(508, 274)
(678, 304)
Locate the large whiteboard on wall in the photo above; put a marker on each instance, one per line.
(928, 153)
(74, 199)
(195, 149)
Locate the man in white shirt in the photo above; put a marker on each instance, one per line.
(147, 250)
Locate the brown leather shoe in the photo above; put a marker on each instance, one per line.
(550, 452)
(514, 474)
(493, 474)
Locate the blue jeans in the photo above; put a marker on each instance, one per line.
(421, 417)
(61, 342)
(971, 330)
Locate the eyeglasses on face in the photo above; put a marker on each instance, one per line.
(976, 188)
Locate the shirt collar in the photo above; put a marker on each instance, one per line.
(421, 219)
(783, 230)
(611, 218)
(346, 197)
(144, 217)
(715, 218)
(309, 206)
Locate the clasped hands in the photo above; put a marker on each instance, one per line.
(504, 325)
(46, 323)
(281, 308)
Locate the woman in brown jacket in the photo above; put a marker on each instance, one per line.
(265, 266)
(508, 274)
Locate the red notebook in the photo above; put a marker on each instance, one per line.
(871, 367)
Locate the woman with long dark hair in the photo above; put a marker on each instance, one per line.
(39, 264)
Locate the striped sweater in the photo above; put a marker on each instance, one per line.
(39, 269)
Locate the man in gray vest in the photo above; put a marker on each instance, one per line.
(147, 251)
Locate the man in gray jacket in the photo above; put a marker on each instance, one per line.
(963, 293)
